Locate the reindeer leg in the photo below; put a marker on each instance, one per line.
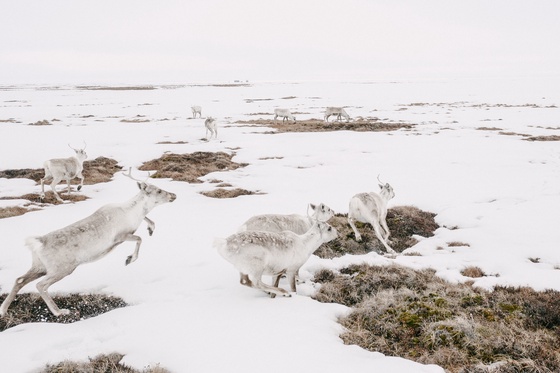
(377, 230)
(81, 181)
(134, 256)
(34, 273)
(53, 187)
(257, 277)
(276, 281)
(151, 225)
(43, 287)
(353, 226)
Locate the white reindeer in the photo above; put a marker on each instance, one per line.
(212, 126)
(372, 208)
(298, 224)
(285, 114)
(338, 111)
(59, 169)
(259, 253)
(58, 253)
(196, 110)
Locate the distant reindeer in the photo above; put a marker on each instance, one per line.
(285, 114)
(196, 110)
(212, 127)
(58, 253)
(295, 223)
(372, 208)
(64, 169)
(338, 111)
(258, 253)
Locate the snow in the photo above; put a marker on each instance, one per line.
(188, 312)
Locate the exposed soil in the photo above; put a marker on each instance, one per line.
(190, 167)
(543, 138)
(317, 125)
(30, 307)
(403, 222)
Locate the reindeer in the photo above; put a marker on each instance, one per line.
(285, 114)
(260, 253)
(58, 253)
(196, 110)
(372, 208)
(338, 111)
(295, 223)
(59, 169)
(212, 126)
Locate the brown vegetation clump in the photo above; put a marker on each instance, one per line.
(100, 170)
(403, 222)
(30, 307)
(472, 271)
(189, 167)
(543, 138)
(100, 364)
(43, 122)
(8, 212)
(317, 125)
(228, 193)
(416, 315)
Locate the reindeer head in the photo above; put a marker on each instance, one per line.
(385, 189)
(80, 153)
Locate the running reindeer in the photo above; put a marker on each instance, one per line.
(57, 254)
(372, 208)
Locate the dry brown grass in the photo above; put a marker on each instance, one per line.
(228, 193)
(8, 212)
(416, 315)
(403, 222)
(189, 167)
(100, 364)
(317, 125)
(30, 307)
(43, 122)
(543, 138)
(473, 271)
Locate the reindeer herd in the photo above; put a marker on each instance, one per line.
(271, 244)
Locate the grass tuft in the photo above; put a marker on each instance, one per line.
(100, 364)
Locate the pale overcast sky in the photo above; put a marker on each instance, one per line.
(176, 42)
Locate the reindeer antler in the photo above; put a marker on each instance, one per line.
(129, 174)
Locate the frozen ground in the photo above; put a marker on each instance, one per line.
(489, 188)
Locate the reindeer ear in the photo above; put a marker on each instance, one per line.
(313, 207)
(380, 186)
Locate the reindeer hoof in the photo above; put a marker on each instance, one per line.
(128, 260)
(150, 231)
(63, 312)
(79, 187)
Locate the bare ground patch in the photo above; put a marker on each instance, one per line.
(543, 138)
(190, 167)
(416, 315)
(404, 222)
(30, 307)
(317, 125)
(99, 364)
(228, 193)
(9, 212)
(43, 122)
